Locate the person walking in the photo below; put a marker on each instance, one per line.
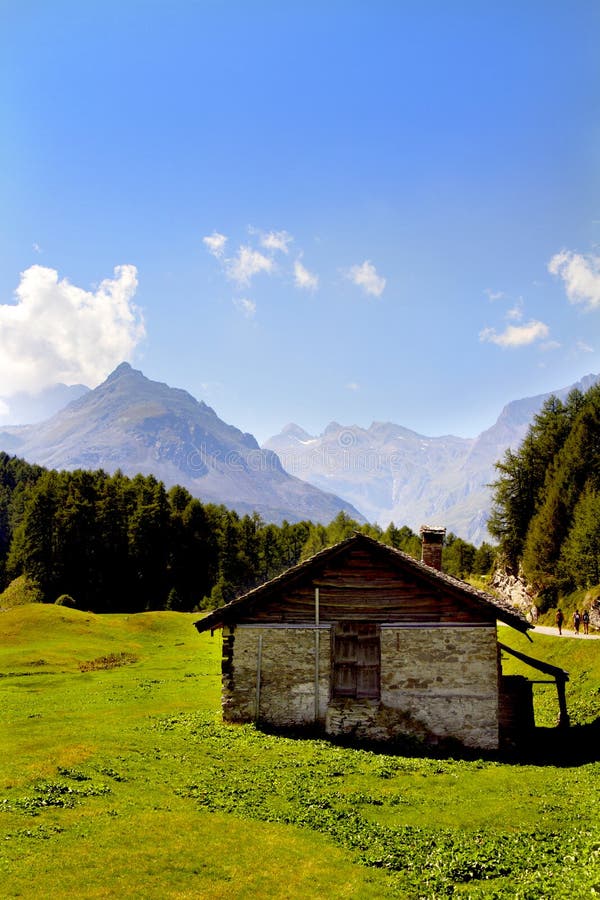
(576, 621)
(585, 618)
(559, 620)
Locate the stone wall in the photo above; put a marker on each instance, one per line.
(436, 683)
(444, 680)
(286, 694)
(516, 710)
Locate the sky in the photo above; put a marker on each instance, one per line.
(302, 212)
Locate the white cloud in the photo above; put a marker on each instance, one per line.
(547, 346)
(276, 240)
(245, 306)
(493, 295)
(353, 386)
(303, 278)
(581, 276)
(36, 247)
(215, 244)
(584, 347)
(515, 314)
(365, 276)
(246, 264)
(516, 335)
(57, 332)
(4, 409)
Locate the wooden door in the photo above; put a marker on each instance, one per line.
(356, 660)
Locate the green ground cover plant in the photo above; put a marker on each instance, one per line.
(120, 780)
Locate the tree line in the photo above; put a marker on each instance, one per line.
(546, 510)
(120, 544)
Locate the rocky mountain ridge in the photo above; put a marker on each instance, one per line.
(137, 425)
(394, 474)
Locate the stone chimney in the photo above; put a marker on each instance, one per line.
(433, 541)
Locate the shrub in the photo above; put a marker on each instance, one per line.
(19, 592)
(65, 600)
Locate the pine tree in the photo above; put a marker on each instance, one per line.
(33, 548)
(580, 554)
(575, 466)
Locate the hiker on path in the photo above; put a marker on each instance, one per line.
(559, 620)
(576, 621)
(586, 621)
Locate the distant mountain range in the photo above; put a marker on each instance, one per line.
(393, 474)
(383, 473)
(137, 425)
(26, 408)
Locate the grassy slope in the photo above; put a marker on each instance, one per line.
(119, 780)
(95, 730)
(579, 658)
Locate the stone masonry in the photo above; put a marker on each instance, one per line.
(436, 683)
(446, 679)
(286, 687)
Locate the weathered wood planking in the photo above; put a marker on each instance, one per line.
(360, 579)
(364, 588)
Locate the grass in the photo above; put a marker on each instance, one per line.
(117, 778)
(579, 658)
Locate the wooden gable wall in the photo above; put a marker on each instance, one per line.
(364, 584)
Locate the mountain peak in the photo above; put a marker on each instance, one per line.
(293, 430)
(134, 424)
(123, 368)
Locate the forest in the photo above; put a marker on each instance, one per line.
(546, 510)
(109, 543)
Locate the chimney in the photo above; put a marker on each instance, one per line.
(433, 541)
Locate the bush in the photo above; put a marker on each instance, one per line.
(65, 600)
(19, 592)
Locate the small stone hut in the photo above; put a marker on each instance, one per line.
(363, 640)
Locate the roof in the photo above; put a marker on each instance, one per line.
(235, 608)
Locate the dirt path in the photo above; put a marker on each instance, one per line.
(566, 632)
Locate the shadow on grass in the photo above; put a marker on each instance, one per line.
(558, 747)
(573, 746)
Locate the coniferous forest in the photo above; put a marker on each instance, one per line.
(109, 543)
(546, 514)
(114, 543)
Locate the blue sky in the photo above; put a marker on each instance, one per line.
(409, 193)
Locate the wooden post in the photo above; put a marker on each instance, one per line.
(317, 649)
(563, 717)
(258, 671)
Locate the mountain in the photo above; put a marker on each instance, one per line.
(394, 474)
(386, 471)
(25, 408)
(137, 425)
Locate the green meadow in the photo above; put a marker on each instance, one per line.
(117, 779)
